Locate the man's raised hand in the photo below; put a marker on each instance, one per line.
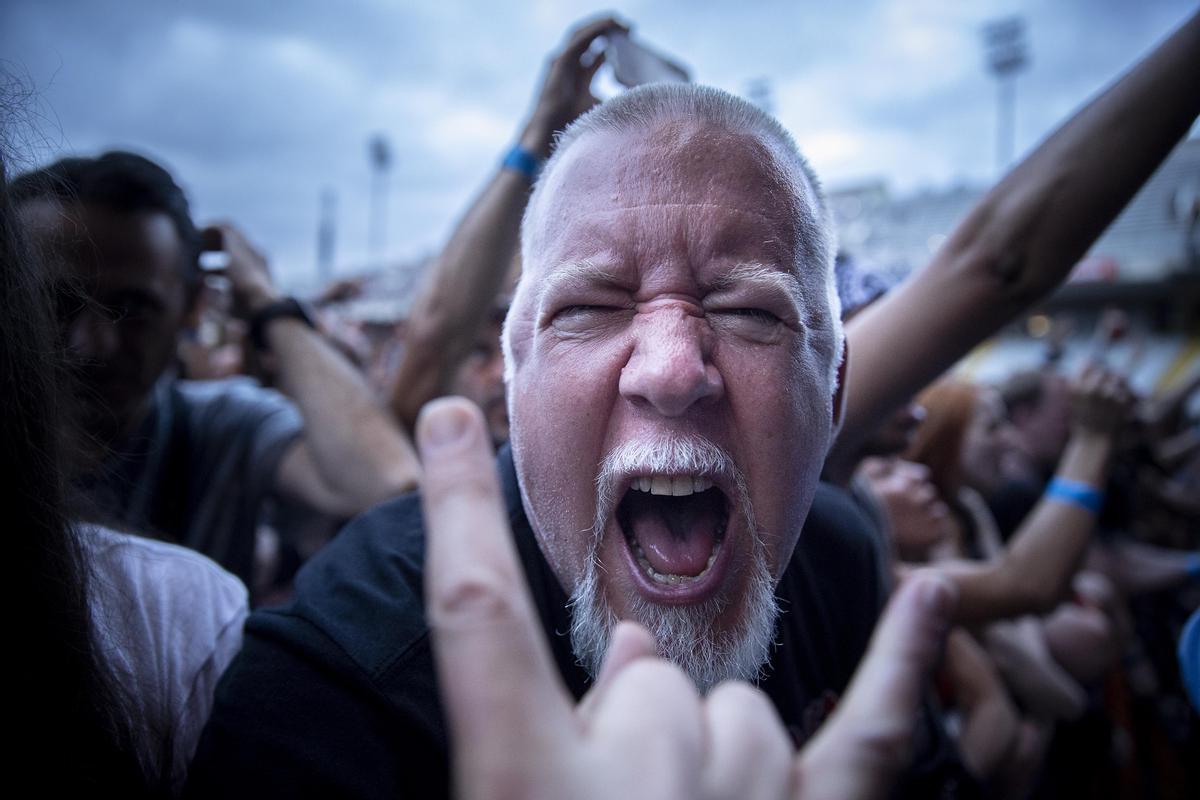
(642, 731)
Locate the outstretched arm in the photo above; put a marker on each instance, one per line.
(470, 272)
(1025, 235)
(1034, 572)
(1136, 567)
(1044, 688)
(352, 454)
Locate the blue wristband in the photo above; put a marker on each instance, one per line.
(1076, 493)
(521, 160)
(1193, 569)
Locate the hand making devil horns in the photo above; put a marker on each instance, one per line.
(642, 731)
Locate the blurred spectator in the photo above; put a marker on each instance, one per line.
(1038, 404)
(193, 462)
(916, 517)
(963, 440)
(121, 640)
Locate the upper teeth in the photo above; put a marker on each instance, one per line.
(671, 484)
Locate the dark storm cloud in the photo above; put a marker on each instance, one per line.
(259, 106)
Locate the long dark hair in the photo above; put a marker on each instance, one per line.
(69, 724)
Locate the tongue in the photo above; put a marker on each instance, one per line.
(677, 534)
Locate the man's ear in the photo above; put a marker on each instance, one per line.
(839, 394)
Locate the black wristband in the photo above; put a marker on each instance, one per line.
(288, 307)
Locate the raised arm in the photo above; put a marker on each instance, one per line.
(1025, 235)
(1035, 571)
(457, 298)
(352, 454)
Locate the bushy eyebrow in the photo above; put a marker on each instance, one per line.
(754, 274)
(576, 275)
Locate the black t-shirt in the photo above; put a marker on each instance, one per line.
(335, 694)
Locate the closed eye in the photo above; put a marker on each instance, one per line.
(585, 309)
(751, 314)
(748, 322)
(584, 318)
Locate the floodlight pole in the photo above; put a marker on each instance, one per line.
(1007, 54)
(380, 153)
(326, 236)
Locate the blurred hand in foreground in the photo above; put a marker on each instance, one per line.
(642, 730)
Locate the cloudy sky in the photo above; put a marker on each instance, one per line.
(258, 106)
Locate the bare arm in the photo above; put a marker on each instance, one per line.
(352, 455)
(457, 299)
(470, 272)
(1020, 653)
(990, 723)
(1026, 234)
(1136, 567)
(1034, 573)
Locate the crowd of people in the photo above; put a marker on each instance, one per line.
(640, 507)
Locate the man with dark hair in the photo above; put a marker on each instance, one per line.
(129, 212)
(192, 462)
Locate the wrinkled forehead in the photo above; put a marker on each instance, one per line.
(673, 163)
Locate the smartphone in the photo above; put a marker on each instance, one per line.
(214, 260)
(634, 64)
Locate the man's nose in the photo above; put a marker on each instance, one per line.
(93, 335)
(670, 367)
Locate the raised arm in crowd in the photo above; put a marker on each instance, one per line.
(1024, 237)
(1014, 247)
(462, 299)
(1033, 573)
(352, 455)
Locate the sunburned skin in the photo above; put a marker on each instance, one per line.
(667, 302)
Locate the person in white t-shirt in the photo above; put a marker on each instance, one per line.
(168, 621)
(115, 642)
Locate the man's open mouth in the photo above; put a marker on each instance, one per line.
(674, 526)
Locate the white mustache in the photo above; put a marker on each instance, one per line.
(684, 634)
(667, 455)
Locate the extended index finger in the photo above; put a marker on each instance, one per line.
(499, 684)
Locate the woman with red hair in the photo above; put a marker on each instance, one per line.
(966, 443)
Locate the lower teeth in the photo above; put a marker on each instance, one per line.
(670, 579)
